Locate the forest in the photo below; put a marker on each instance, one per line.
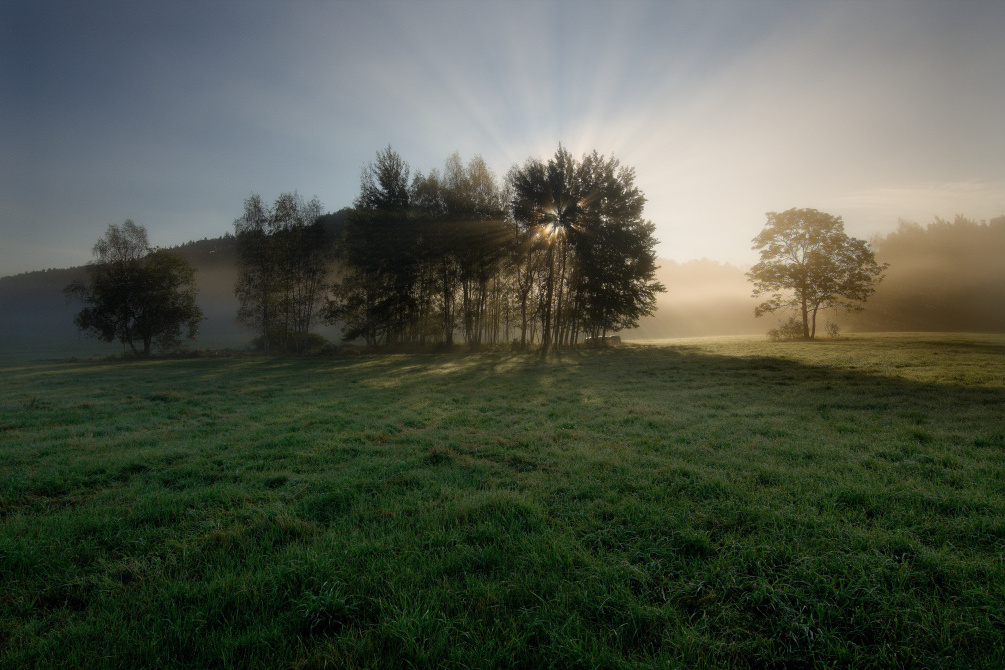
(946, 276)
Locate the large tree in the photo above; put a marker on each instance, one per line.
(374, 297)
(809, 264)
(600, 261)
(139, 296)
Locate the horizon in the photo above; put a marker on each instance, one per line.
(172, 115)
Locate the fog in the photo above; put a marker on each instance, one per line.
(703, 297)
(946, 276)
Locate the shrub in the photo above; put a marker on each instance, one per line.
(787, 331)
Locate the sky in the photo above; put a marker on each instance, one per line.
(172, 113)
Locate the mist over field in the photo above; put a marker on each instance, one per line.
(945, 277)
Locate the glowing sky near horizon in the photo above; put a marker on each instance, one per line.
(171, 114)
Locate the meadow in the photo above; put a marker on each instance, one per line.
(689, 503)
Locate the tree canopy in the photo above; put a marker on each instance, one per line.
(284, 257)
(139, 296)
(808, 263)
(600, 260)
(556, 250)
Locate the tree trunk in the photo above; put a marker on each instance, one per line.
(549, 296)
(806, 324)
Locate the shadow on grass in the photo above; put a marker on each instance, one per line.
(630, 507)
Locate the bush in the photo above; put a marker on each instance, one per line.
(787, 331)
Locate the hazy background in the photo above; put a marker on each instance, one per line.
(172, 113)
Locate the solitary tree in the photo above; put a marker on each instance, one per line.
(808, 263)
(141, 297)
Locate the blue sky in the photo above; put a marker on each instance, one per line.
(172, 113)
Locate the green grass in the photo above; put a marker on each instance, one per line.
(696, 503)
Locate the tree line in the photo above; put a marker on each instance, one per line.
(949, 277)
(556, 252)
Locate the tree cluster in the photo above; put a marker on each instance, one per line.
(557, 251)
(944, 276)
(284, 261)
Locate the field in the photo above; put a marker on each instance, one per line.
(691, 503)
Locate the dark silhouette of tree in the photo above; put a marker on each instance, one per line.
(420, 261)
(599, 258)
(137, 295)
(616, 285)
(255, 288)
(455, 254)
(284, 257)
(468, 238)
(616, 250)
(808, 263)
(374, 297)
(305, 255)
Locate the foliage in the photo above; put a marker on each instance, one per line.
(600, 260)
(284, 257)
(374, 296)
(716, 503)
(806, 253)
(787, 331)
(137, 295)
(560, 245)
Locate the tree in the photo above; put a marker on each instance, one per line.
(808, 263)
(304, 257)
(257, 267)
(374, 296)
(599, 263)
(137, 295)
(464, 236)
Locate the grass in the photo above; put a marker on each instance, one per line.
(695, 503)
